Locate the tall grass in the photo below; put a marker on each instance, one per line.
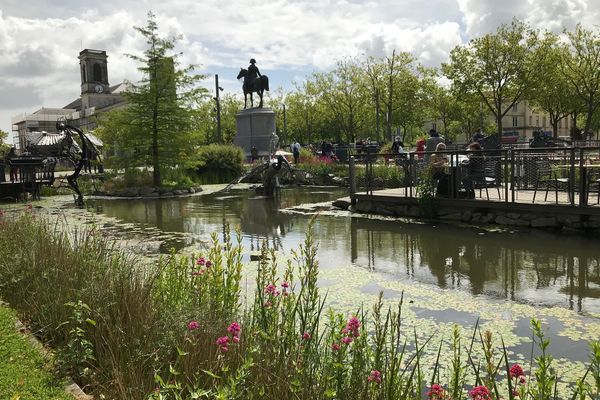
(181, 329)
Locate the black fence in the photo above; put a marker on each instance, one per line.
(567, 176)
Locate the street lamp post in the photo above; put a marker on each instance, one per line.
(218, 103)
(284, 125)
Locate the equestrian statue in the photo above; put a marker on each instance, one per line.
(253, 82)
(64, 146)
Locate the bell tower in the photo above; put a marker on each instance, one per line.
(94, 71)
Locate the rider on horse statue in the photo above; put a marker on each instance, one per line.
(253, 72)
(253, 82)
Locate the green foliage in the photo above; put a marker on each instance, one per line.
(184, 328)
(76, 356)
(24, 372)
(155, 129)
(497, 67)
(426, 192)
(217, 163)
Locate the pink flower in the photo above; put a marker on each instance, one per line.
(480, 393)
(198, 273)
(375, 377)
(268, 303)
(335, 347)
(522, 380)
(306, 336)
(347, 339)
(235, 329)
(200, 261)
(236, 339)
(515, 371)
(285, 284)
(208, 264)
(271, 289)
(193, 325)
(352, 327)
(222, 343)
(436, 392)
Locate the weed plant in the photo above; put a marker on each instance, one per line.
(181, 329)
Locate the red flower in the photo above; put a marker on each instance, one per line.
(335, 347)
(306, 336)
(480, 393)
(436, 392)
(193, 325)
(515, 371)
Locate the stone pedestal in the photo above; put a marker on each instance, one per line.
(255, 127)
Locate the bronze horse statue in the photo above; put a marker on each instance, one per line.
(259, 85)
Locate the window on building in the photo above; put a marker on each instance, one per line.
(560, 123)
(544, 122)
(537, 120)
(83, 75)
(97, 73)
(530, 120)
(515, 107)
(515, 121)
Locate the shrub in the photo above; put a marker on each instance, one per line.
(218, 163)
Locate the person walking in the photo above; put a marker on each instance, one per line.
(296, 151)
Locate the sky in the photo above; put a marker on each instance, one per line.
(290, 39)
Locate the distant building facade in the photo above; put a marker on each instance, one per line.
(97, 96)
(519, 123)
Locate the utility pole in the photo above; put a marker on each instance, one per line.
(284, 125)
(217, 100)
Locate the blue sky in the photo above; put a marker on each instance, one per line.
(40, 40)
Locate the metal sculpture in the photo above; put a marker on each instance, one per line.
(63, 145)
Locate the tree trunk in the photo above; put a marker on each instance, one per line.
(156, 179)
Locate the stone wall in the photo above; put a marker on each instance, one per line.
(483, 216)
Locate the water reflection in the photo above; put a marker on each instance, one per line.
(533, 267)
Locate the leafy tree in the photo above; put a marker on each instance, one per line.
(157, 122)
(582, 70)
(551, 90)
(343, 95)
(4, 147)
(498, 67)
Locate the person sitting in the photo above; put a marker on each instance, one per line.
(420, 148)
(477, 136)
(474, 167)
(438, 162)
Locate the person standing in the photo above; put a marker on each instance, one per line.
(296, 151)
(254, 153)
(431, 143)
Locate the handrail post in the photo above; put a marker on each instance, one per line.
(506, 174)
(582, 180)
(512, 175)
(352, 176)
(572, 178)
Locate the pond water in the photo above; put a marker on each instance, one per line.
(526, 266)
(450, 274)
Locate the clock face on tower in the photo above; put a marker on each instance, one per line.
(99, 88)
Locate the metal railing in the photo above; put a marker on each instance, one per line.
(566, 176)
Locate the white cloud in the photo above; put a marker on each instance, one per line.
(39, 43)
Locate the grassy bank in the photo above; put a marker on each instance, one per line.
(25, 374)
(180, 329)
